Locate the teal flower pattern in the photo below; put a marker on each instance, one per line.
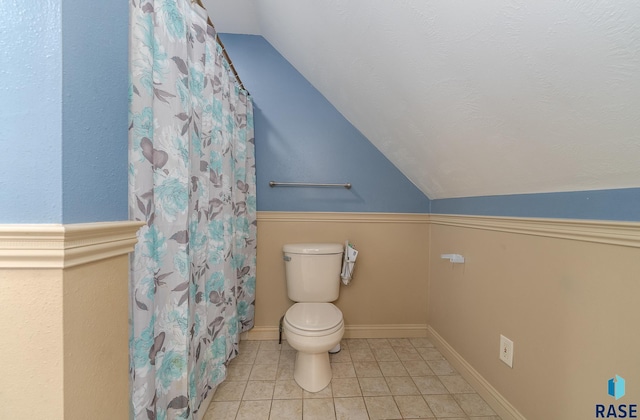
(192, 182)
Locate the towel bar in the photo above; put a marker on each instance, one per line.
(306, 184)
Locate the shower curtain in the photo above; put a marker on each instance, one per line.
(192, 180)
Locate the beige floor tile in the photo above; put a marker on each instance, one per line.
(456, 418)
(456, 384)
(265, 357)
(402, 385)
(270, 345)
(357, 343)
(343, 370)
(345, 387)
(246, 358)
(284, 371)
(287, 390)
(287, 357)
(473, 405)
(444, 406)
(372, 379)
(379, 343)
(259, 390)
(286, 346)
(263, 372)
(367, 369)
(248, 345)
(407, 353)
(400, 342)
(429, 385)
(326, 392)
(441, 367)
(385, 354)
(350, 408)
(254, 410)
(237, 372)
(374, 387)
(417, 368)
(318, 409)
(393, 369)
(285, 410)
(430, 353)
(222, 410)
(413, 407)
(343, 356)
(382, 408)
(229, 391)
(362, 355)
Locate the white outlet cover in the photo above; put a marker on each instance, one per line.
(506, 351)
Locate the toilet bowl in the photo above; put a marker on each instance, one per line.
(313, 329)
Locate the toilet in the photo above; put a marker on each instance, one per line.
(313, 325)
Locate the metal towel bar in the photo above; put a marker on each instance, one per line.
(306, 184)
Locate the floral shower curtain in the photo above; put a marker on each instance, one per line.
(192, 180)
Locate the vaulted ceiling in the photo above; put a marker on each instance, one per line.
(471, 98)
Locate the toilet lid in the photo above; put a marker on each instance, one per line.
(315, 317)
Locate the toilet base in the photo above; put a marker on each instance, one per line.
(312, 371)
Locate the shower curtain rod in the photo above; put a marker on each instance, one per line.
(224, 51)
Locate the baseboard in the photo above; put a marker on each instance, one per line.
(350, 331)
(498, 403)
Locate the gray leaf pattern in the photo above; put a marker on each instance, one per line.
(192, 181)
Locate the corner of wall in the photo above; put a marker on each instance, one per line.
(65, 305)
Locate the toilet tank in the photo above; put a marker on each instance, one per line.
(312, 271)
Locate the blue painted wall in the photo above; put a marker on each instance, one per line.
(30, 110)
(301, 137)
(619, 204)
(63, 112)
(95, 108)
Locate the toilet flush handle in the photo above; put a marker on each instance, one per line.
(286, 258)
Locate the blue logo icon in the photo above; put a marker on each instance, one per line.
(616, 387)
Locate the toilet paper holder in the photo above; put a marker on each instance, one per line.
(454, 258)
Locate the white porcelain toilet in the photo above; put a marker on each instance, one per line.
(313, 325)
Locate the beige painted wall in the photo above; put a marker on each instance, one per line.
(570, 306)
(31, 344)
(389, 287)
(64, 321)
(96, 340)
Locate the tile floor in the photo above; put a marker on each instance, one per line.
(372, 379)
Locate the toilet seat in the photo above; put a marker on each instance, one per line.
(313, 319)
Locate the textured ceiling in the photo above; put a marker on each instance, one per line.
(472, 98)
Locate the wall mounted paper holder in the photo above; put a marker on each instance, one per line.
(454, 258)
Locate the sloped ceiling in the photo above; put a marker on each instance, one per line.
(471, 98)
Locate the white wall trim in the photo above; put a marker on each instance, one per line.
(496, 401)
(599, 231)
(63, 246)
(350, 331)
(333, 217)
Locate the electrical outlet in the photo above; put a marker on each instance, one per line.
(506, 351)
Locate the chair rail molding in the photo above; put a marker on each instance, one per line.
(599, 231)
(64, 246)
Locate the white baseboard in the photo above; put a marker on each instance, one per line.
(350, 331)
(496, 401)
